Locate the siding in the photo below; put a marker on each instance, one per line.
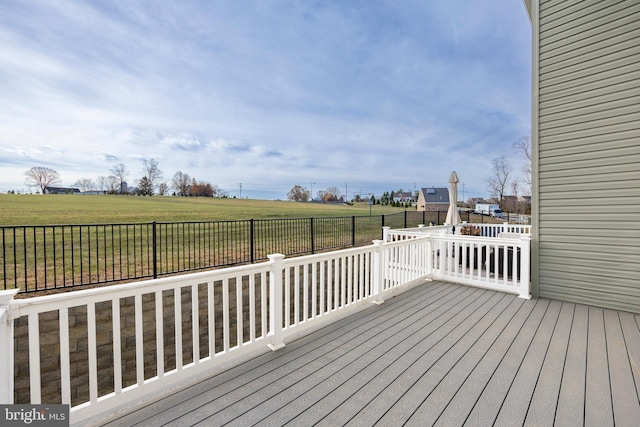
(588, 167)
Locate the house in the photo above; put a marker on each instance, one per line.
(586, 156)
(403, 197)
(472, 201)
(433, 199)
(61, 190)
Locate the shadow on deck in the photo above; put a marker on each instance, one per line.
(439, 354)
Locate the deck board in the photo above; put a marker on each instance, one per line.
(439, 354)
(490, 402)
(624, 395)
(570, 409)
(598, 406)
(542, 409)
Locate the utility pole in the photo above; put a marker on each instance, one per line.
(241, 190)
(346, 194)
(463, 192)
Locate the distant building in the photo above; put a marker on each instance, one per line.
(433, 199)
(475, 200)
(404, 197)
(61, 190)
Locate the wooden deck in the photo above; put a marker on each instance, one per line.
(439, 354)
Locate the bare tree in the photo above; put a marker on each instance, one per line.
(523, 146)
(163, 188)
(102, 183)
(119, 172)
(499, 180)
(151, 172)
(114, 185)
(85, 184)
(299, 194)
(42, 177)
(181, 183)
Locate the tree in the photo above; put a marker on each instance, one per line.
(42, 177)
(145, 187)
(331, 194)
(500, 177)
(152, 172)
(163, 188)
(85, 184)
(181, 183)
(299, 194)
(201, 189)
(114, 186)
(102, 183)
(523, 146)
(119, 174)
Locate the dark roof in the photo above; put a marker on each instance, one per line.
(61, 190)
(435, 195)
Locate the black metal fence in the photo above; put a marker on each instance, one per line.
(45, 257)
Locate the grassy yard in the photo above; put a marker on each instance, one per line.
(35, 209)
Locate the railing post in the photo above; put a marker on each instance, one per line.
(275, 303)
(525, 266)
(377, 271)
(6, 341)
(385, 234)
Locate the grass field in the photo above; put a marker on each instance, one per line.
(57, 241)
(36, 209)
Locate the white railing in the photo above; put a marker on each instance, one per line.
(486, 230)
(202, 320)
(399, 234)
(502, 264)
(494, 230)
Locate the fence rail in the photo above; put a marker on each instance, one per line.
(46, 257)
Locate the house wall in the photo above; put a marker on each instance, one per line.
(586, 151)
(422, 205)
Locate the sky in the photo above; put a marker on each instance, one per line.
(255, 97)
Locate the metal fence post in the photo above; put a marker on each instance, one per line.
(313, 246)
(353, 231)
(276, 340)
(155, 249)
(252, 246)
(405, 218)
(6, 341)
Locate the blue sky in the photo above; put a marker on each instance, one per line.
(374, 95)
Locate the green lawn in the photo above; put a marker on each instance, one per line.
(36, 209)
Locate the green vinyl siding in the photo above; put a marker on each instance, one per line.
(588, 152)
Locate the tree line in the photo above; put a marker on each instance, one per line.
(152, 182)
(299, 193)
